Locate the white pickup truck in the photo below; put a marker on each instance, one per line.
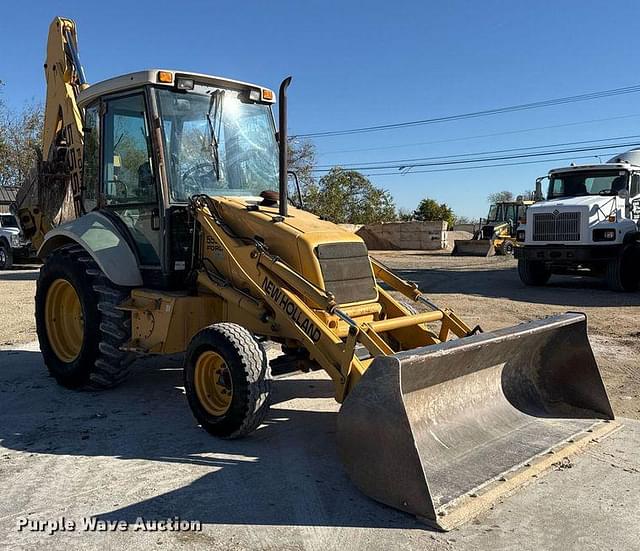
(13, 246)
(588, 225)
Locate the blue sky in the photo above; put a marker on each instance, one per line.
(357, 64)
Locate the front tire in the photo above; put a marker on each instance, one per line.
(533, 272)
(6, 256)
(623, 272)
(507, 248)
(80, 329)
(227, 380)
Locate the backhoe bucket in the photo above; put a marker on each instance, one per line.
(443, 431)
(473, 247)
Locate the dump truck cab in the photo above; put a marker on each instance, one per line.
(588, 224)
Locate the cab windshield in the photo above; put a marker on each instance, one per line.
(217, 143)
(574, 184)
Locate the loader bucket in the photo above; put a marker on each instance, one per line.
(473, 247)
(443, 431)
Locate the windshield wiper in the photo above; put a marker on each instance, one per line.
(215, 119)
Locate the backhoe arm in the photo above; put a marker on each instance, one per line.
(53, 192)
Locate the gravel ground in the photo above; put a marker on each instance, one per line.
(483, 291)
(17, 289)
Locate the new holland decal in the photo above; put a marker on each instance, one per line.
(291, 309)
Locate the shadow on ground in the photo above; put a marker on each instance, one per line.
(568, 291)
(287, 473)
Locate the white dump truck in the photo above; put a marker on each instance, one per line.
(588, 225)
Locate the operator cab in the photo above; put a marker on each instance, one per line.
(153, 139)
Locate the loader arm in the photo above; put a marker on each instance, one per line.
(265, 294)
(53, 192)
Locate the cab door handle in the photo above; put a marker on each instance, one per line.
(155, 219)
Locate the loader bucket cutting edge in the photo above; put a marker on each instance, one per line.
(443, 431)
(473, 247)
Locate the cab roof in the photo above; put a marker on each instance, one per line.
(151, 76)
(603, 166)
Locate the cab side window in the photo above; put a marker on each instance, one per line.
(127, 173)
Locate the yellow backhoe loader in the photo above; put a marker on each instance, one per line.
(497, 234)
(161, 212)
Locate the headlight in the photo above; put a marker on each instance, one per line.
(520, 234)
(15, 240)
(604, 235)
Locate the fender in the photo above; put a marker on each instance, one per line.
(101, 239)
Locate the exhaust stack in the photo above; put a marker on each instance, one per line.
(282, 139)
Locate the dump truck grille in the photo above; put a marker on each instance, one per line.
(346, 271)
(563, 226)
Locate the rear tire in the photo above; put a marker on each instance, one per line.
(227, 380)
(623, 273)
(97, 361)
(6, 256)
(533, 272)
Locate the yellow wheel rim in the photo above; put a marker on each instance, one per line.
(63, 320)
(212, 379)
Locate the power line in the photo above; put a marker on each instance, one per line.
(487, 159)
(475, 114)
(519, 163)
(465, 138)
(459, 155)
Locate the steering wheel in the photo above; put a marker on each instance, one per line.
(201, 177)
(121, 189)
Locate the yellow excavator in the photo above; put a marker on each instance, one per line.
(160, 209)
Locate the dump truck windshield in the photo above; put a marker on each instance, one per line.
(573, 184)
(217, 143)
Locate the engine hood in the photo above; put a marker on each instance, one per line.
(588, 201)
(307, 244)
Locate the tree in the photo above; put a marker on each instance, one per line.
(430, 211)
(348, 197)
(20, 137)
(499, 197)
(464, 220)
(302, 160)
(404, 215)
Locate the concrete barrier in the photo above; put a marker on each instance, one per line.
(405, 235)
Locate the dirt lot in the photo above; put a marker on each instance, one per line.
(483, 291)
(17, 289)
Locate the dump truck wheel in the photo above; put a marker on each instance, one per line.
(6, 256)
(533, 272)
(623, 273)
(80, 330)
(227, 380)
